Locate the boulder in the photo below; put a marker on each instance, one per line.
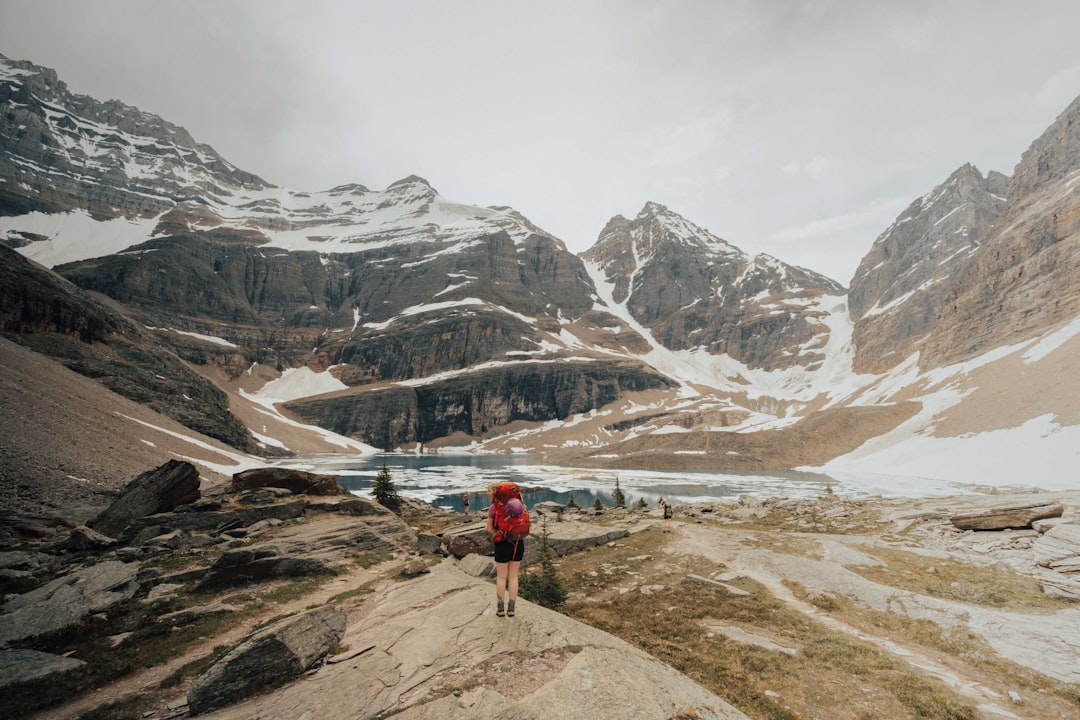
(428, 544)
(268, 658)
(155, 491)
(67, 600)
(297, 482)
(414, 567)
(238, 567)
(478, 565)
(468, 539)
(82, 539)
(548, 507)
(1000, 518)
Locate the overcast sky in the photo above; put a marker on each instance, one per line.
(800, 129)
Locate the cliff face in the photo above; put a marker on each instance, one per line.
(694, 290)
(899, 287)
(385, 314)
(478, 401)
(1022, 281)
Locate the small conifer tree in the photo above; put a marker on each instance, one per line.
(385, 492)
(597, 505)
(640, 504)
(618, 495)
(546, 587)
(571, 503)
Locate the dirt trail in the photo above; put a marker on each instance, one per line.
(149, 680)
(725, 546)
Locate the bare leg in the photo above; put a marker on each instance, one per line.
(500, 580)
(513, 579)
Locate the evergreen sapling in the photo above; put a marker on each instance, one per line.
(385, 492)
(545, 588)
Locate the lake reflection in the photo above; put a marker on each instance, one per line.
(441, 480)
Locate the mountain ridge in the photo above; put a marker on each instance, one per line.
(427, 313)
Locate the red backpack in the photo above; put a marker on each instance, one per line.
(507, 526)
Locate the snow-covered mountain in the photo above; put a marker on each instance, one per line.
(398, 317)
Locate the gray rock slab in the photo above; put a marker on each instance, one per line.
(478, 565)
(1056, 544)
(271, 656)
(572, 536)
(440, 632)
(19, 666)
(68, 599)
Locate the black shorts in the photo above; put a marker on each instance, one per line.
(505, 551)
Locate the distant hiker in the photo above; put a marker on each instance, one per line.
(665, 505)
(465, 499)
(508, 523)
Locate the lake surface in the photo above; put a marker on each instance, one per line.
(441, 480)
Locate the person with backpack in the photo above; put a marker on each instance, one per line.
(508, 523)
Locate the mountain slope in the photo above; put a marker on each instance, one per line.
(1024, 276)
(900, 285)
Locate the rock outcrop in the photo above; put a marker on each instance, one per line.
(297, 482)
(268, 658)
(437, 636)
(155, 491)
(68, 599)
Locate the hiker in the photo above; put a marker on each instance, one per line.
(508, 523)
(465, 499)
(666, 507)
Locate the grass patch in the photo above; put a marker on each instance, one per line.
(194, 668)
(1044, 697)
(949, 579)
(832, 675)
(372, 558)
(129, 708)
(365, 589)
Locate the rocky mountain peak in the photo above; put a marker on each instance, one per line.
(1054, 156)
(899, 286)
(107, 158)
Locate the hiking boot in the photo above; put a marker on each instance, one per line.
(510, 608)
(500, 609)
